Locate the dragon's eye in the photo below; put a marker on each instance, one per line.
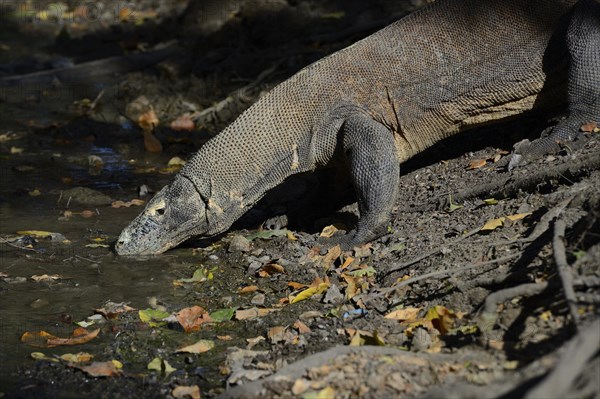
(160, 211)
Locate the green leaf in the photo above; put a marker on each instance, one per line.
(155, 364)
(153, 317)
(199, 276)
(369, 272)
(222, 315)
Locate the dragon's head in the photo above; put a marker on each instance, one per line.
(176, 213)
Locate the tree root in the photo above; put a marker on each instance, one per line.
(583, 347)
(564, 271)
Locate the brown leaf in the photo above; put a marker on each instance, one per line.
(148, 120)
(270, 269)
(44, 277)
(589, 127)
(79, 336)
(151, 143)
(296, 286)
(192, 318)
(476, 164)
(87, 213)
(301, 327)
(100, 369)
(38, 339)
(276, 334)
(252, 313)
(186, 392)
(332, 254)
(204, 345)
(113, 309)
(250, 288)
(183, 122)
(406, 314)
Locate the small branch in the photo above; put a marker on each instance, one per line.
(17, 246)
(583, 347)
(430, 253)
(564, 271)
(441, 273)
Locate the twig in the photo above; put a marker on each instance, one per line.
(579, 351)
(86, 259)
(505, 185)
(430, 253)
(564, 271)
(440, 273)
(17, 246)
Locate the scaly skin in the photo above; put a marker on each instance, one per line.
(452, 66)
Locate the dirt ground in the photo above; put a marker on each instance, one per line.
(486, 284)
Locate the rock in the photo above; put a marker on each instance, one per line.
(85, 196)
(239, 244)
(258, 300)
(421, 340)
(334, 296)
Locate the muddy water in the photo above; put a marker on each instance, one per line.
(51, 162)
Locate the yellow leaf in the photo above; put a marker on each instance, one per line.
(328, 231)
(35, 233)
(204, 345)
(80, 357)
(490, 201)
(406, 314)
(176, 161)
(291, 236)
(310, 291)
(518, 216)
(326, 393)
(493, 224)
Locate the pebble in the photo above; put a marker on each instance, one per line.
(239, 244)
(258, 299)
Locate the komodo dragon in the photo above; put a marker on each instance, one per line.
(448, 67)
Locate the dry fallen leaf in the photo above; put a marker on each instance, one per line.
(250, 288)
(185, 392)
(113, 309)
(587, 128)
(183, 122)
(301, 327)
(44, 339)
(476, 164)
(270, 269)
(296, 286)
(498, 222)
(151, 143)
(81, 357)
(148, 120)
(406, 314)
(252, 313)
(204, 345)
(101, 369)
(45, 277)
(328, 231)
(192, 318)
